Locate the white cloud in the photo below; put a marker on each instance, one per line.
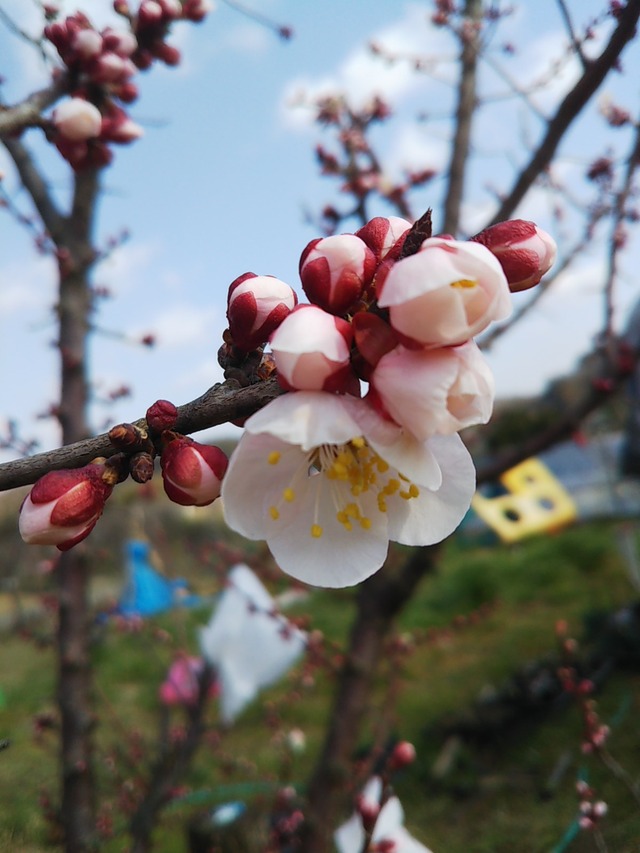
(362, 75)
(122, 270)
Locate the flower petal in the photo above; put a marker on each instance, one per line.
(433, 515)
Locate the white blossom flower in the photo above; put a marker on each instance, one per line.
(447, 292)
(389, 826)
(328, 482)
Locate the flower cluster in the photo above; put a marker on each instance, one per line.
(383, 374)
(101, 66)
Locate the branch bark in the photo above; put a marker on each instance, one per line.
(380, 600)
(570, 108)
(467, 102)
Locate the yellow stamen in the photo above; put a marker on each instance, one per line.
(289, 495)
(274, 457)
(273, 512)
(316, 531)
(464, 283)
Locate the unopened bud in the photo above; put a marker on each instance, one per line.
(368, 811)
(336, 270)
(191, 472)
(77, 120)
(525, 251)
(256, 305)
(403, 754)
(161, 415)
(127, 437)
(384, 235)
(312, 350)
(141, 467)
(64, 506)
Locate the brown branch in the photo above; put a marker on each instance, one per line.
(35, 185)
(570, 108)
(616, 239)
(380, 600)
(28, 113)
(577, 46)
(219, 405)
(467, 103)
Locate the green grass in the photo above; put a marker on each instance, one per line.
(492, 799)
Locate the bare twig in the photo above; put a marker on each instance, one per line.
(570, 108)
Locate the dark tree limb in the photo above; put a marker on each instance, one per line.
(219, 405)
(570, 108)
(467, 103)
(37, 188)
(380, 600)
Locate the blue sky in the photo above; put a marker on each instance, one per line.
(220, 182)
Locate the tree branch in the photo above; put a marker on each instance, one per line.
(220, 404)
(35, 185)
(571, 107)
(28, 113)
(467, 103)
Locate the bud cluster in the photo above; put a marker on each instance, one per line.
(101, 66)
(64, 506)
(396, 308)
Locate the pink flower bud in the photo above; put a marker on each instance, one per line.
(525, 251)
(368, 811)
(336, 270)
(180, 687)
(121, 42)
(404, 753)
(256, 305)
(312, 351)
(191, 472)
(171, 9)
(434, 391)
(384, 235)
(149, 14)
(77, 120)
(63, 506)
(87, 43)
(109, 68)
(166, 53)
(196, 10)
(118, 127)
(445, 293)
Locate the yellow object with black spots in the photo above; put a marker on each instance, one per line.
(536, 503)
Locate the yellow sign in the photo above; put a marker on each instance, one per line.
(536, 503)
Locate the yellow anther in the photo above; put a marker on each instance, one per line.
(342, 517)
(274, 457)
(340, 470)
(382, 504)
(414, 491)
(316, 531)
(289, 495)
(358, 441)
(381, 465)
(273, 512)
(356, 490)
(391, 487)
(406, 495)
(464, 283)
(365, 523)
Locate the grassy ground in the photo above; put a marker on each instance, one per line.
(493, 798)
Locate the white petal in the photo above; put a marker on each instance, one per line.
(337, 558)
(306, 418)
(433, 515)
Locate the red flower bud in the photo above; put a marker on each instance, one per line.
(384, 235)
(336, 270)
(161, 415)
(191, 472)
(525, 251)
(403, 753)
(256, 306)
(64, 506)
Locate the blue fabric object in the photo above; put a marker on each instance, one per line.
(146, 591)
